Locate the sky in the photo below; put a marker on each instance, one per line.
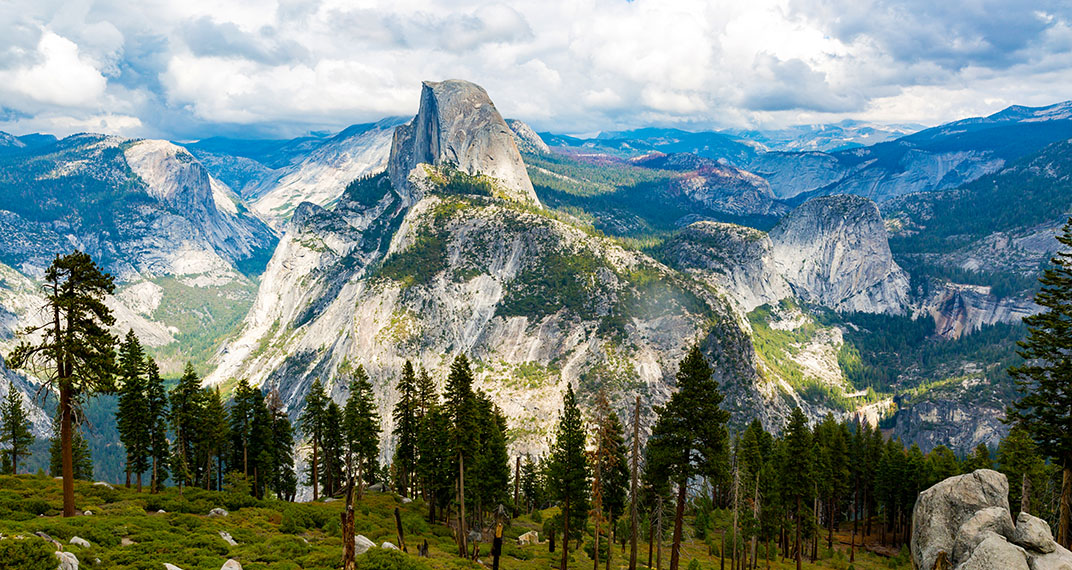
(188, 69)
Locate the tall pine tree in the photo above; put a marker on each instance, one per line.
(361, 430)
(187, 404)
(132, 417)
(796, 475)
(313, 425)
(568, 472)
(72, 350)
(15, 428)
(406, 415)
(461, 408)
(156, 403)
(1045, 378)
(690, 437)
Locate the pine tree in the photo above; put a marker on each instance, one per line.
(690, 437)
(214, 439)
(434, 464)
(81, 459)
(334, 449)
(187, 405)
(1019, 460)
(610, 473)
(132, 418)
(796, 474)
(263, 447)
(491, 466)
(943, 463)
(313, 426)
(1045, 378)
(361, 430)
(283, 479)
(406, 416)
(979, 459)
(75, 353)
(156, 403)
(15, 428)
(532, 485)
(568, 472)
(461, 408)
(240, 421)
(832, 453)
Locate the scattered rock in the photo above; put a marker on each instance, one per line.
(226, 536)
(530, 537)
(996, 553)
(388, 546)
(126, 542)
(217, 512)
(362, 544)
(80, 542)
(171, 567)
(68, 561)
(87, 513)
(941, 511)
(990, 520)
(99, 484)
(329, 499)
(406, 500)
(231, 564)
(161, 512)
(1034, 534)
(376, 487)
(54, 542)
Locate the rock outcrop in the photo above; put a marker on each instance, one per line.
(833, 251)
(963, 523)
(458, 125)
(527, 140)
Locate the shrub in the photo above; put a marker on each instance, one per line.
(694, 564)
(26, 554)
(380, 559)
(537, 516)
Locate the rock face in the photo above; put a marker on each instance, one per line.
(833, 251)
(457, 124)
(964, 521)
(527, 140)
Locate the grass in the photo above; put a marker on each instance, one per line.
(127, 531)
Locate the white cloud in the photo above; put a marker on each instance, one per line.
(192, 68)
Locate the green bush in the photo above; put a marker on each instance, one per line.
(26, 554)
(380, 559)
(694, 564)
(537, 516)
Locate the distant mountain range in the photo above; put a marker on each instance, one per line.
(850, 268)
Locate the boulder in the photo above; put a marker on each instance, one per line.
(99, 484)
(376, 487)
(388, 546)
(80, 542)
(996, 553)
(231, 564)
(406, 500)
(530, 537)
(942, 509)
(226, 536)
(362, 544)
(1033, 534)
(217, 512)
(171, 567)
(68, 561)
(990, 520)
(1059, 559)
(87, 513)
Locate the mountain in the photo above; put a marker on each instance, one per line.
(826, 137)
(276, 176)
(708, 144)
(939, 158)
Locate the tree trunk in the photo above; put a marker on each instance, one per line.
(152, 481)
(755, 515)
(633, 489)
(348, 547)
(65, 444)
(565, 535)
(679, 516)
(736, 506)
(127, 484)
(463, 532)
(139, 482)
(315, 472)
(1066, 505)
(651, 539)
(659, 536)
(797, 546)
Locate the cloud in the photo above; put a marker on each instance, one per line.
(285, 67)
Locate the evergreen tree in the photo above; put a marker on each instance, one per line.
(313, 426)
(15, 428)
(832, 453)
(214, 439)
(979, 459)
(283, 480)
(615, 469)
(532, 484)
(156, 403)
(1045, 378)
(1019, 460)
(132, 418)
(74, 352)
(568, 472)
(690, 438)
(434, 463)
(943, 463)
(406, 415)
(491, 466)
(240, 422)
(263, 447)
(461, 408)
(335, 446)
(187, 404)
(361, 430)
(796, 476)
(81, 458)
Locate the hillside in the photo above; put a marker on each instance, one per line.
(132, 531)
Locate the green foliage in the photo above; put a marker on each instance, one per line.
(562, 280)
(382, 559)
(82, 458)
(369, 189)
(26, 554)
(15, 427)
(451, 181)
(568, 473)
(405, 416)
(361, 428)
(421, 261)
